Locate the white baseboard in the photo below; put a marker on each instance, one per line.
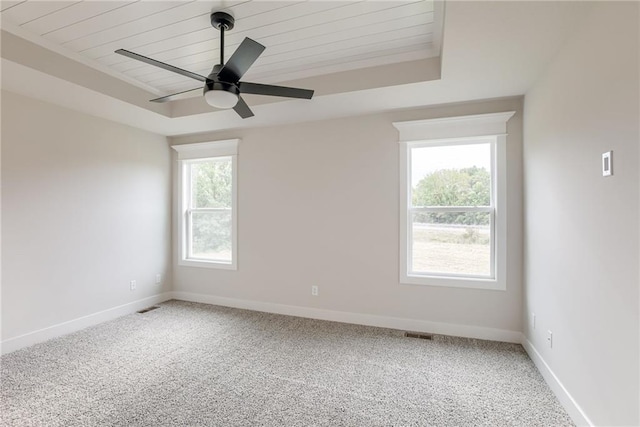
(414, 325)
(568, 402)
(21, 341)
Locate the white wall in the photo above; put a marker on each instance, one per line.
(319, 205)
(581, 251)
(85, 209)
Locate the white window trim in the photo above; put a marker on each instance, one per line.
(452, 130)
(187, 154)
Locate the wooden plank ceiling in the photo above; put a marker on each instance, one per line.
(303, 38)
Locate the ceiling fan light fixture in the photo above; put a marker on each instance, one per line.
(221, 98)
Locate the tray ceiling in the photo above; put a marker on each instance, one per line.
(303, 38)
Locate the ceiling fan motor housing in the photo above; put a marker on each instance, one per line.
(213, 75)
(217, 85)
(214, 83)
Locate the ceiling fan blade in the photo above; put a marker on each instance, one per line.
(171, 97)
(243, 109)
(261, 89)
(244, 56)
(167, 67)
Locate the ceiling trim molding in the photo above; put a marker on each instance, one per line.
(42, 42)
(26, 81)
(438, 22)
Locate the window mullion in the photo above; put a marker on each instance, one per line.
(210, 209)
(437, 209)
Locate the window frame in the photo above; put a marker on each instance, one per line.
(460, 130)
(188, 154)
(466, 209)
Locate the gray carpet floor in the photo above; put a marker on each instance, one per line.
(188, 364)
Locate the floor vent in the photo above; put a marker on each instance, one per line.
(422, 336)
(144, 310)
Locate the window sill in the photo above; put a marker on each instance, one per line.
(454, 282)
(208, 264)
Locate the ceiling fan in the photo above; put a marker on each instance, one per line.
(222, 87)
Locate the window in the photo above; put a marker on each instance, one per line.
(451, 208)
(208, 204)
(453, 217)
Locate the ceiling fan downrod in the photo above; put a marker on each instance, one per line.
(222, 21)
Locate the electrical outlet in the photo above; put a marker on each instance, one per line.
(158, 279)
(314, 291)
(132, 285)
(550, 338)
(533, 320)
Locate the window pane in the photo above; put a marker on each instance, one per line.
(211, 184)
(452, 242)
(211, 233)
(454, 175)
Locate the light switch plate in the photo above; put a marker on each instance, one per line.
(607, 163)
